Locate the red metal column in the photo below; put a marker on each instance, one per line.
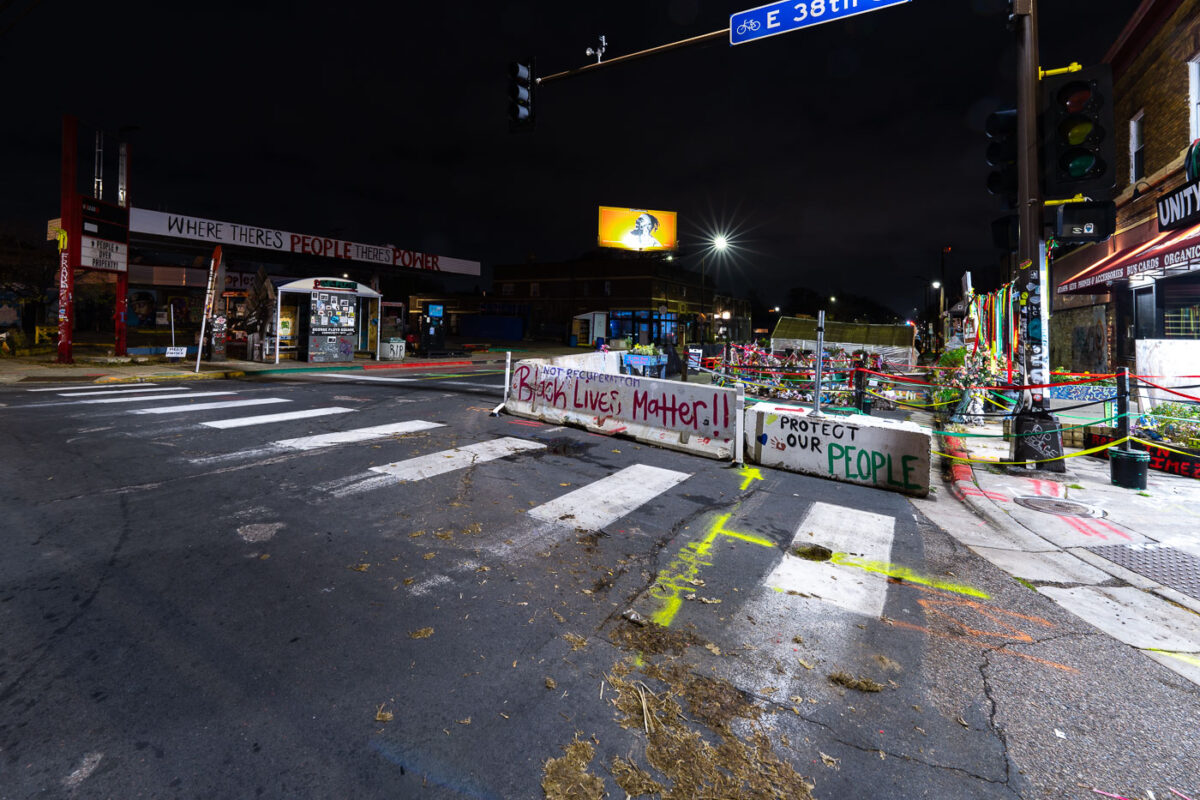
(119, 314)
(69, 257)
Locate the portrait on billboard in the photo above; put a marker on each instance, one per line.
(637, 229)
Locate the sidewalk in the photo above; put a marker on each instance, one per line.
(88, 369)
(1125, 561)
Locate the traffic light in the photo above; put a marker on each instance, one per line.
(1001, 128)
(521, 85)
(1078, 145)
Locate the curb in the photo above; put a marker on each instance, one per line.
(966, 489)
(183, 376)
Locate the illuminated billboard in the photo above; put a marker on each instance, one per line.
(637, 229)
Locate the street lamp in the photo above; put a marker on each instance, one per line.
(941, 308)
(718, 244)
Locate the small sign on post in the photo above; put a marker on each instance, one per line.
(176, 352)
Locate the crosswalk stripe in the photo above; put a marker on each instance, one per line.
(263, 419)
(421, 467)
(603, 502)
(318, 441)
(866, 536)
(142, 398)
(183, 409)
(356, 435)
(124, 391)
(60, 388)
(362, 377)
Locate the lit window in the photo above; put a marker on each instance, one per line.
(1137, 148)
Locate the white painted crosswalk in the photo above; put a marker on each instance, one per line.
(421, 467)
(145, 398)
(861, 535)
(603, 502)
(123, 391)
(378, 378)
(60, 388)
(285, 416)
(182, 409)
(356, 435)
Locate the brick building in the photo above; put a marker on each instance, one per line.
(1143, 284)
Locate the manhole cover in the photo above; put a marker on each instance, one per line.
(1166, 565)
(1056, 505)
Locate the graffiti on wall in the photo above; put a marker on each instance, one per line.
(1080, 339)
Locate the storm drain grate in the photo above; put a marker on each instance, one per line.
(1165, 565)
(1057, 505)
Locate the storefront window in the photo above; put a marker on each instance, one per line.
(1181, 308)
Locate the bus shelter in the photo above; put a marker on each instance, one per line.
(326, 319)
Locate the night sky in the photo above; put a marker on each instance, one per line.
(842, 157)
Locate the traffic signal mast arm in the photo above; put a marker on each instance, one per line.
(662, 48)
(1074, 66)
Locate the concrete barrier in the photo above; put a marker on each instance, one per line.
(870, 451)
(588, 390)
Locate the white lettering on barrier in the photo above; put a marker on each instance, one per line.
(884, 454)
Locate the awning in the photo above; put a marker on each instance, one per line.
(1170, 251)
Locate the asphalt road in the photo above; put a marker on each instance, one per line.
(207, 600)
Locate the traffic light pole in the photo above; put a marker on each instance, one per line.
(704, 38)
(1037, 434)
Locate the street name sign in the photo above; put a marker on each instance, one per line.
(776, 18)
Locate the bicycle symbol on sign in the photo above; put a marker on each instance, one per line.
(748, 26)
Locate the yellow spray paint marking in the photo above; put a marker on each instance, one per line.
(1187, 658)
(904, 573)
(680, 575)
(750, 474)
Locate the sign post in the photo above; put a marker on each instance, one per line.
(208, 301)
(787, 16)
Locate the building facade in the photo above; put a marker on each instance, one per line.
(1143, 284)
(646, 298)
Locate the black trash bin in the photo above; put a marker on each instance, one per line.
(1128, 467)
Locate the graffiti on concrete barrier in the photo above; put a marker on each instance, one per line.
(676, 407)
(880, 454)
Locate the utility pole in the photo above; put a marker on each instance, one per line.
(1037, 435)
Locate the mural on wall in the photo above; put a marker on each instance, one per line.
(1079, 339)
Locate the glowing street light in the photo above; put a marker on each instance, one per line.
(720, 242)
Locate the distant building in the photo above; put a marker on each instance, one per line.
(1143, 284)
(647, 298)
